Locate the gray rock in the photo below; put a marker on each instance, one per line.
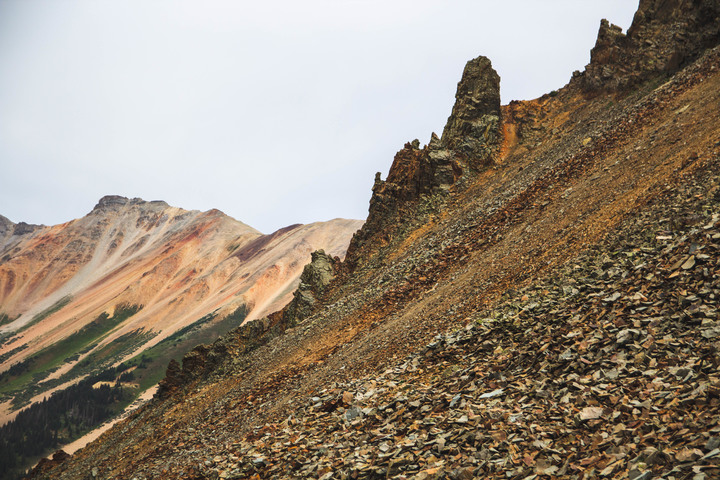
(353, 413)
(712, 443)
(637, 475)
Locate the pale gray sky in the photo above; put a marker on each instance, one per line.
(275, 112)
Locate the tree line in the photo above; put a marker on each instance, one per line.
(57, 420)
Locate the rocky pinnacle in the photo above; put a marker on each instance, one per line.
(472, 127)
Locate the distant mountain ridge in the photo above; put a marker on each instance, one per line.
(175, 266)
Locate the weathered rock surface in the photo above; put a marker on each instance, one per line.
(315, 278)
(503, 398)
(664, 36)
(470, 139)
(473, 127)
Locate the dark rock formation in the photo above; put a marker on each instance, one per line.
(315, 278)
(469, 141)
(8, 228)
(198, 362)
(23, 228)
(109, 201)
(665, 35)
(113, 201)
(472, 128)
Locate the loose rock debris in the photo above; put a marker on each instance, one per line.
(608, 370)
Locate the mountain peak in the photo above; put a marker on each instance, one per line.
(114, 201)
(9, 228)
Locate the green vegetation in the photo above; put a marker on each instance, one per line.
(7, 337)
(12, 352)
(91, 365)
(60, 419)
(73, 411)
(21, 381)
(152, 363)
(232, 247)
(5, 319)
(109, 354)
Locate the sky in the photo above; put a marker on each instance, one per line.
(275, 112)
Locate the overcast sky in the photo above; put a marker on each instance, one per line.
(275, 112)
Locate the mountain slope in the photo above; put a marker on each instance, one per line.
(162, 269)
(532, 294)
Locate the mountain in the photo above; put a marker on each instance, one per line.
(533, 295)
(131, 278)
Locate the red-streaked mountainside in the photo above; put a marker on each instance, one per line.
(178, 265)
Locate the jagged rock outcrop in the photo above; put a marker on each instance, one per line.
(203, 359)
(22, 228)
(109, 201)
(470, 139)
(196, 363)
(664, 36)
(315, 278)
(472, 129)
(8, 229)
(117, 201)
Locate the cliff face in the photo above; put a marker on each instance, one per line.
(532, 299)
